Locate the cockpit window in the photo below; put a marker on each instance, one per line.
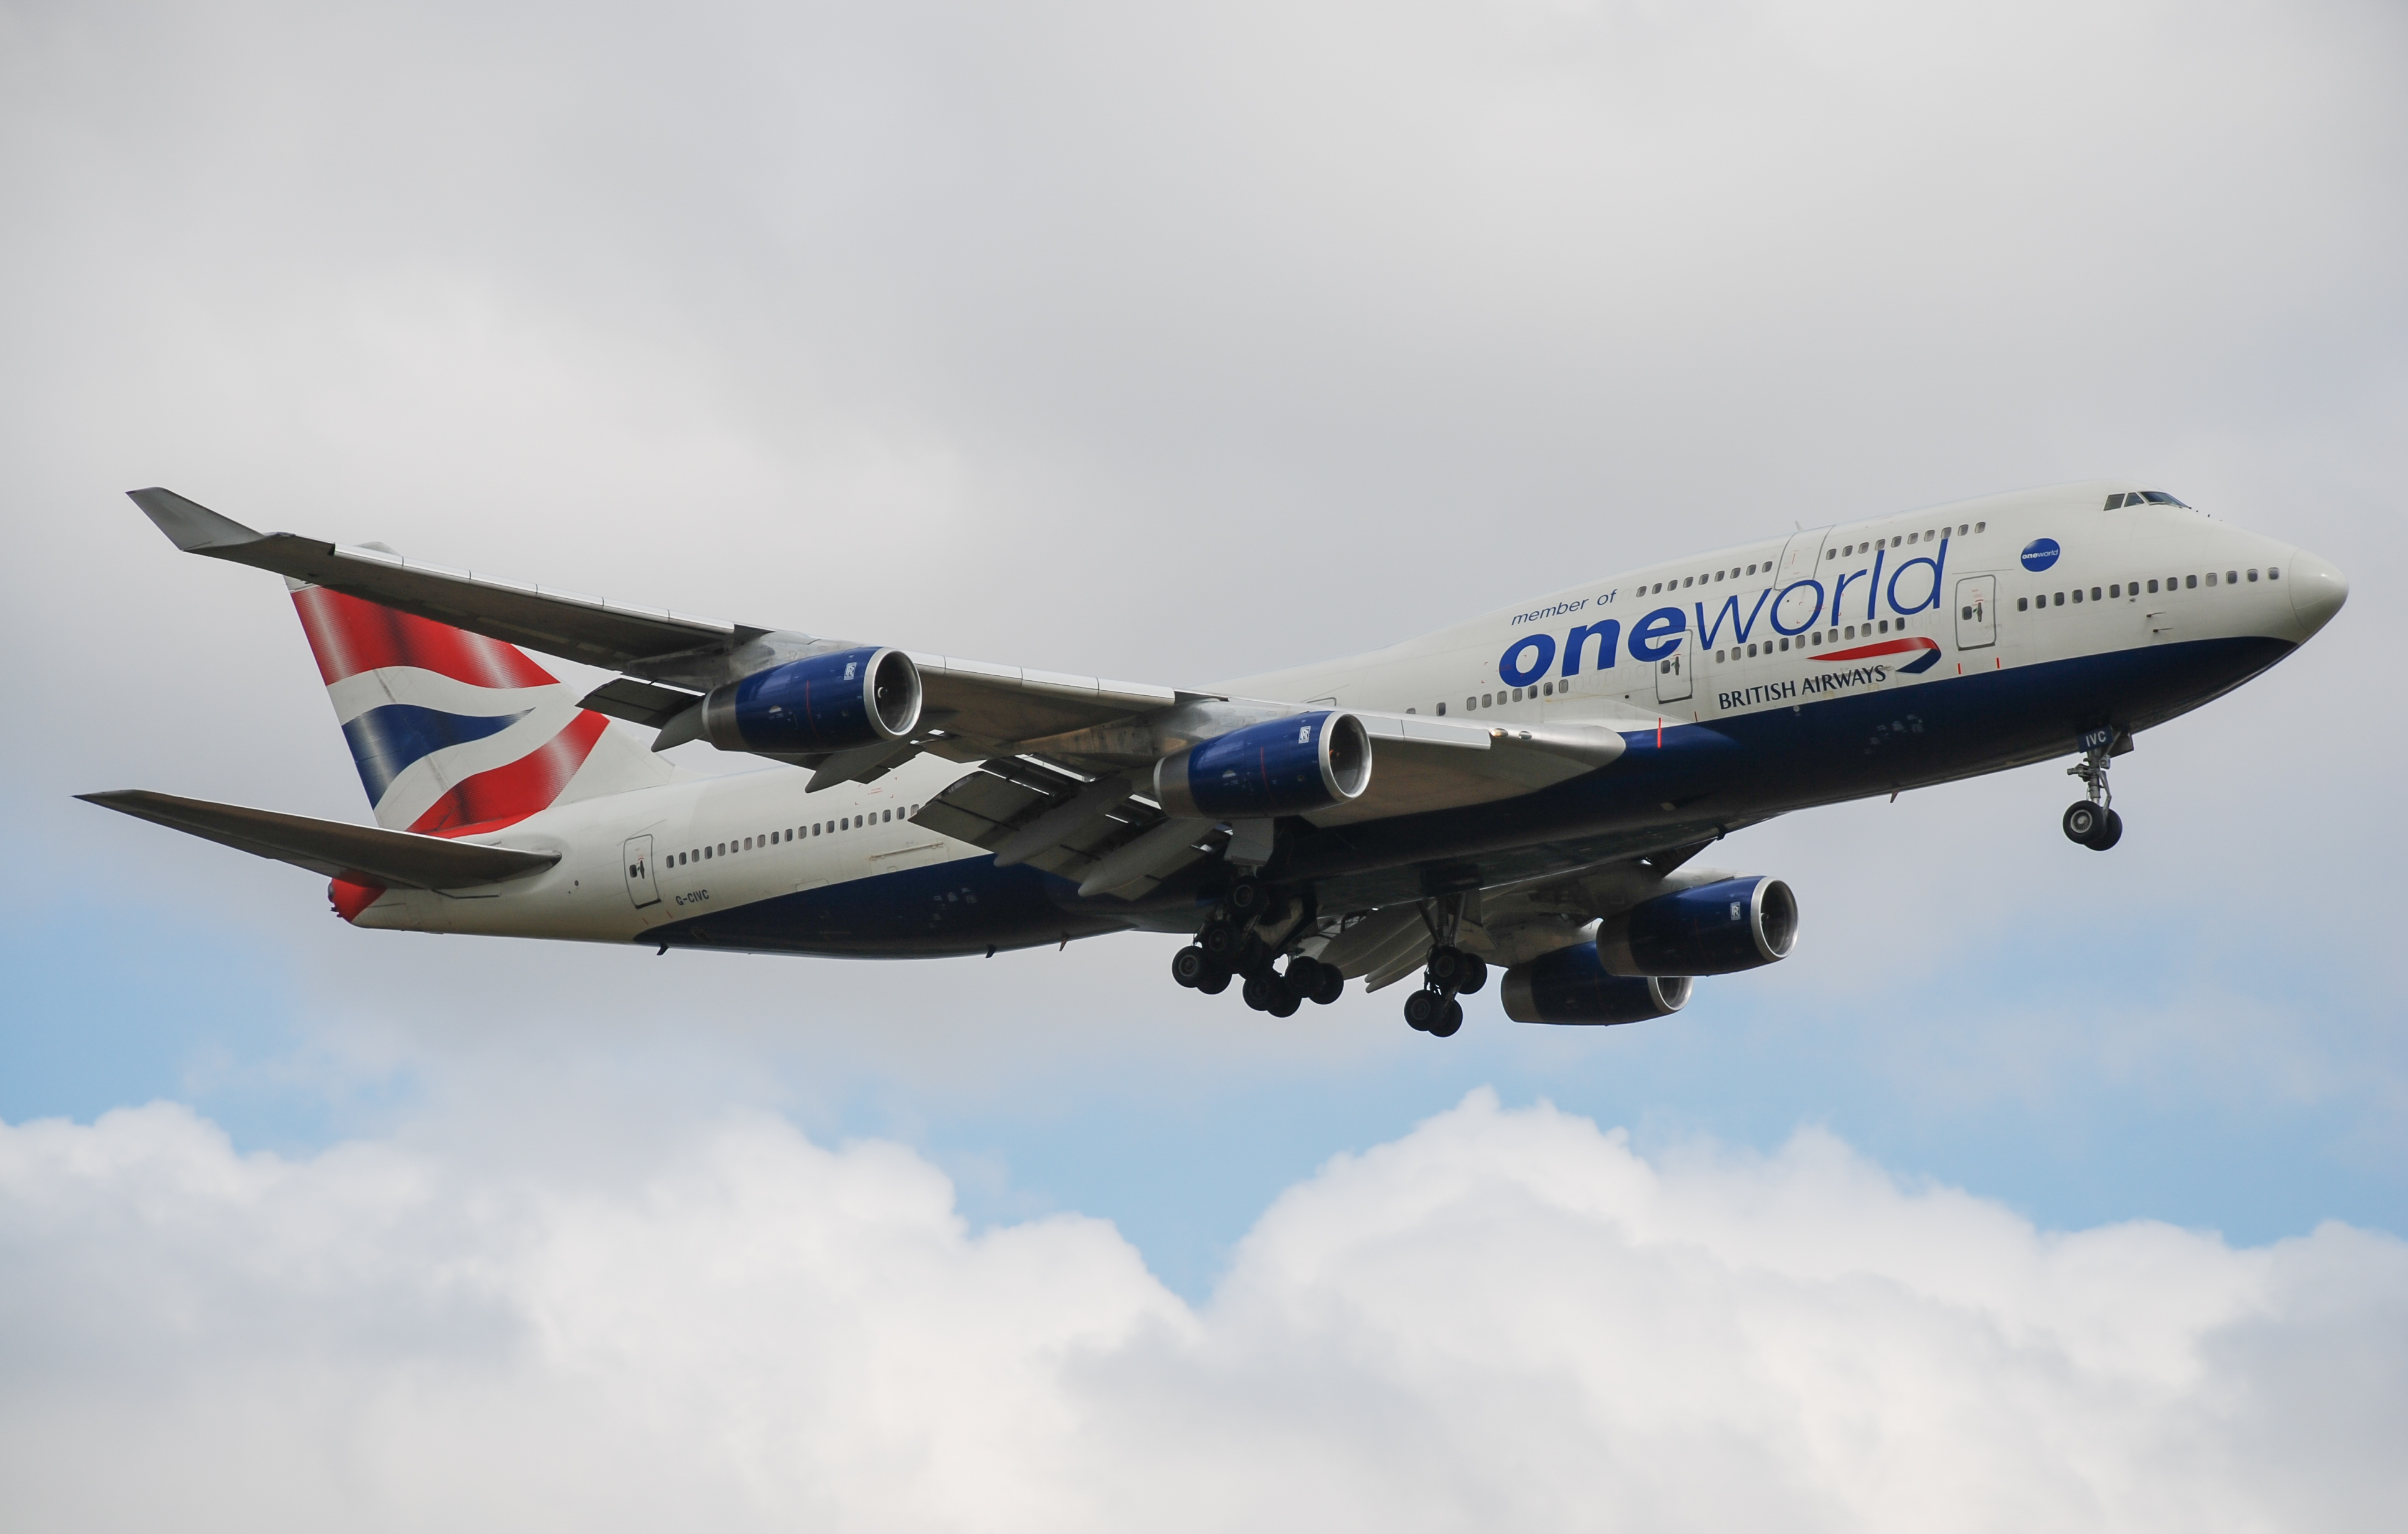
(2144, 498)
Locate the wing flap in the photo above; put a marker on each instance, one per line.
(362, 855)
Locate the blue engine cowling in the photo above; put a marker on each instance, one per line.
(1282, 766)
(1710, 929)
(1570, 986)
(833, 702)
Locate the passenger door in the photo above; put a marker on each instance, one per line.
(1673, 681)
(1977, 618)
(638, 853)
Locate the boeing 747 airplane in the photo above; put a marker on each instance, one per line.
(1526, 790)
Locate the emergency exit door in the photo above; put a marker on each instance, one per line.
(639, 856)
(1977, 618)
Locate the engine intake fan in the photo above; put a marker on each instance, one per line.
(1282, 766)
(823, 703)
(1569, 986)
(1712, 930)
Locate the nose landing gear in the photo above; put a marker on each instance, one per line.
(2091, 822)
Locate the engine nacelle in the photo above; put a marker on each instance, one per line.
(1570, 986)
(1280, 767)
(822, 703)
(1710, 929)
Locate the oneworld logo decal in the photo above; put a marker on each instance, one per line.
(2040, 554)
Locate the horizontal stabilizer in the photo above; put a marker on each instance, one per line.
(360, 854)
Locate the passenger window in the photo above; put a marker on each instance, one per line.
(2094, 594)
(1471, 703)
(2190, 583)
(2077, 596)
(1960, 529)
(2274, 573)
(1784, 644)
(2253, 575)
(2210, 578)
(2022, 604)
(2231, 577)
(2116, 590)
(2153, 588)
(2061, 600)
(1441, 709)
(1719, 657)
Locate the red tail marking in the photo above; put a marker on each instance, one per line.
(349, 636)
(518, 789)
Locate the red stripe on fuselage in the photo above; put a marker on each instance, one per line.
(1888, 647)
(512, 793)
(349, 636)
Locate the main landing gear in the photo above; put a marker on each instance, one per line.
(1231, 945)
(2091, 822)
(1451, 973)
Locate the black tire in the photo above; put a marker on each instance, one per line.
(1422, 1009)
(1213, 982)
(1330, 983)
(2111, 831)
(2082, 822)
(1188, 965)
(1247, 899)
(1284, 999)
(1256, 992)
(1475, 975)
(1445, 966)
(1219, 940)
(1449, 1018)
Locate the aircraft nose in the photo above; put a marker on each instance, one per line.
(2317, 590)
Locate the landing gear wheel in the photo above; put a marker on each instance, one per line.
(1284, 999)
(1249, 899)
(1188, 965)
(2082, 823)
(1422, 1009)
(1321, 983)
(1445, 967)
(1475, 975)
(2111, 831)
(1449, 1018)
(1256, 992)
(1219, 940)
(1213, 981)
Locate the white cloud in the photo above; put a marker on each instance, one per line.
(1504, 1319)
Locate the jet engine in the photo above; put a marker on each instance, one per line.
(1708, 929)
(1280, 767)
(1570, 986)
(822, 703)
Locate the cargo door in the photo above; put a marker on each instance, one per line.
(638, 854)
(1977, 618)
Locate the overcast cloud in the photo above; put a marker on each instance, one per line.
(1174, 343)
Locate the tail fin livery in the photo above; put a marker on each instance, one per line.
(452, 731)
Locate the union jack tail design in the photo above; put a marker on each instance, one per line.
(456, 732)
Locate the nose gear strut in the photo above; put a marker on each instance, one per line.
(2091, 822)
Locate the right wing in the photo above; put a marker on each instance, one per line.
(360, 854)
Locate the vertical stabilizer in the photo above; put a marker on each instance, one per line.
(452, 731)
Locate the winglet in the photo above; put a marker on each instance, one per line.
(190, 525)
